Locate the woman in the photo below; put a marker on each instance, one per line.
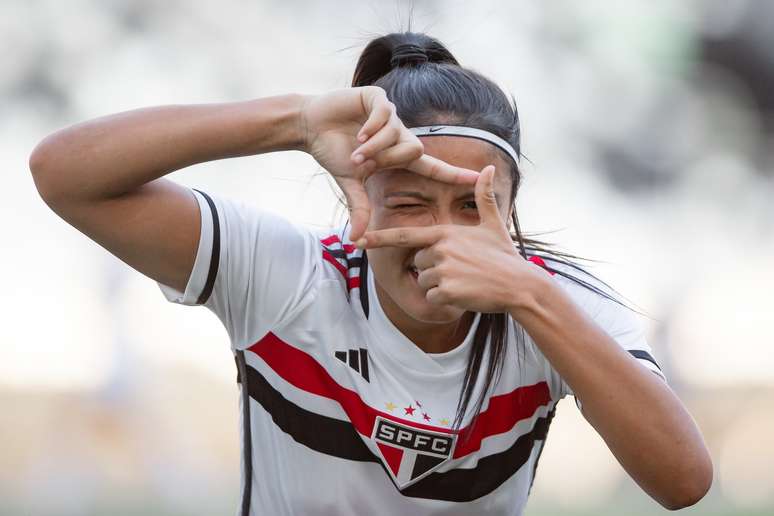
(409, 362)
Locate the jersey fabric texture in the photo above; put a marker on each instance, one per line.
(343, 414)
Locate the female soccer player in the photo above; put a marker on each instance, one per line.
(409, 362)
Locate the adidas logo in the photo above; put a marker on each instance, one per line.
(357, 360)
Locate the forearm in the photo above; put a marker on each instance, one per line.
(642, 421)
(115, 154)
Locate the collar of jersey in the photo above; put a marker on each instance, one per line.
(394, 343)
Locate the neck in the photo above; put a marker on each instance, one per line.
(429, 337)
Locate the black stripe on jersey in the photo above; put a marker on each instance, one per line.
(465, 485)
(341, 254)
(340, 439)
(353, 261)
(215, 259)
(364, 284)
(638, 353)
(337, 253)
(549, 418)
(321, 433)
(247, 444)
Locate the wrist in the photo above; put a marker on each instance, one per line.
(526, 297)
(276, 123)
(301, 127)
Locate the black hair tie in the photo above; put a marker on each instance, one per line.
(408, 53)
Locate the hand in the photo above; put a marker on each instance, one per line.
(345, 123)
(475, 268)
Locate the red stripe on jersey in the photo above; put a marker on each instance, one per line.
(353, 282)
(334, 239)
(503, 412)
(330, 240)
(304, 372)
(539, 261)
(329, 258)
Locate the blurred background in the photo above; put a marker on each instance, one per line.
(650, 133)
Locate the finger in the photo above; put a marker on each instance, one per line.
(424, 258)
(429, 278)
(380, 110)
(358, 205)
(398, 155)
(486, 201)
(439, 170)
(384, 138)
(423, 236)
(437, 296)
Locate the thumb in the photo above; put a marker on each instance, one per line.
(358, 205)
(485, 198)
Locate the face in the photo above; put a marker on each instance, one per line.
(402, 198)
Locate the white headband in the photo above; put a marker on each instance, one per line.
(470, 132)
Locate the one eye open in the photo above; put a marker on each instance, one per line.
(469, 205)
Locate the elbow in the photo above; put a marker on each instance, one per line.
(696, 482)
(40, 167)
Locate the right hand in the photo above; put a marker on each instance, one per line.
(344, 123)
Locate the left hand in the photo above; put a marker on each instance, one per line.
(475, 268)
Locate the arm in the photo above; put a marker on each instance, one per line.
(103, 175)
(642, 421)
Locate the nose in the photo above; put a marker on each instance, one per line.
(443, 216)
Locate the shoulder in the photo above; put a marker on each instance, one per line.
(582, 285)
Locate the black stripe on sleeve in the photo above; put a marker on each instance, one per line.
(638, 353)
(215, 259)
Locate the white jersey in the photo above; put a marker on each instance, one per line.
(342, 413)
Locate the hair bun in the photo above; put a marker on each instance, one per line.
(408, 53)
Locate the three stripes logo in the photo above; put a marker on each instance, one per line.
(357, 359)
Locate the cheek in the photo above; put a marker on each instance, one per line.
(405, 217)
(386, 261)
(377, 220)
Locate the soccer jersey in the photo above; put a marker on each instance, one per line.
(341, 412)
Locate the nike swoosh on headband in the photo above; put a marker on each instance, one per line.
(469, 132)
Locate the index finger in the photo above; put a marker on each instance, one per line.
(422, 236)
(439, 170)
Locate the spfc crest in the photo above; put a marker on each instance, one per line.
(411, 454)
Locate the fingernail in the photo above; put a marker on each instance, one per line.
(362, 138)
(361, 243)
(359, 158)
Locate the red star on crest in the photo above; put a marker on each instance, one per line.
(409, 410)
(425, 416)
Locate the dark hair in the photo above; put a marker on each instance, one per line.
(428, 87)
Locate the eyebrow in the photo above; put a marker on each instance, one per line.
(416, 195)
(420, 196)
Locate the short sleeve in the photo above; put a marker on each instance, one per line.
(626, 327)
(253, 269)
